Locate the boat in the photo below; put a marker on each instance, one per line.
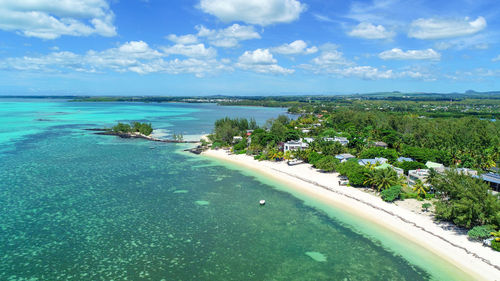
(295, 162)
(262, 202)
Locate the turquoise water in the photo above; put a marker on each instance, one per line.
(77, 206)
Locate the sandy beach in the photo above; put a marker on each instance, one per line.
(445, 241)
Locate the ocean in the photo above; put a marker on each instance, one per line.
(79, 206)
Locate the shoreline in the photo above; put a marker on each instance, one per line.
(477, 261)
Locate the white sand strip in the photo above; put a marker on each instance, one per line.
(482, 263)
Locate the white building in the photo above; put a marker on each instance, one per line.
(294, 145)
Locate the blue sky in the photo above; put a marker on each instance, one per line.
(247, 47)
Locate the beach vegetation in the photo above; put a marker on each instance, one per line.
(391, 194)
(420, 188)
(327, 163)
(135, 127)
(354, 172)
(465, 201)
(426, 206)
(480, 232)
(495, 245)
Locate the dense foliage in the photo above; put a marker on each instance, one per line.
(135, 127)
(480, 232)
(466, 201)
(391, 194)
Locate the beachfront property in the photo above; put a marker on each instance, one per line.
(405, 159)
(294, 145)
(399, 171)
(308, 140)
(380, 144)
(436, 166)
(493, 180)
(420, 174)
(237, 139)
(344, 157)
(466, 171)
(343, 141)
(375, 161)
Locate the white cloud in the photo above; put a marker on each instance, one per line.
(229, 36)
(366, 72)
(197, 50)
(261, 12)
(134, 56)
(332, 62)
(434, 28)
(367, 30)
(261, 61)
(295, 48)
(495, 59)
(183, 39)
(398, 54)
(49, 19)
(331, 58)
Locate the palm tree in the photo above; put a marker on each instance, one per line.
(420, 188)
(385, 178)
(433, 175)
(370, 178)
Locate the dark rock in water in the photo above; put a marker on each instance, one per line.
(44, 120)
(196, 150)
(107, 132)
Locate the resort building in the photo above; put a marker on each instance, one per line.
(343, 141)
(466, 171)
(380, 144)
(493, 180)
(420, 174)
(237, 139)
(376, 161)
(308, 140)
(294, 145)
(436, 166)
(344, 157)
(405, 159)
(399, 171)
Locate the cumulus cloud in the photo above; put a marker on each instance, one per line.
(261, 61)
(367, 30)
(183, 39)
(134, 56)
(229, 36)
(331, 58)
(196, 50)
(398, 54)
(49, 19)
(261, 12)
(332, 62)
(495, 59)
(295, 48)
(434, 28)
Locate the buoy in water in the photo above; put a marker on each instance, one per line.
(262, 202)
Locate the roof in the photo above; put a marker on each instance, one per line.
(405, 159)
(380, 143)
(490, 177)
(344, 156)
(384, 166)
(379, 160)
(434, 165)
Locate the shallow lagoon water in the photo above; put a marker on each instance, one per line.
(77, 206)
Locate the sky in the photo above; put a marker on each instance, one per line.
(247, 47)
